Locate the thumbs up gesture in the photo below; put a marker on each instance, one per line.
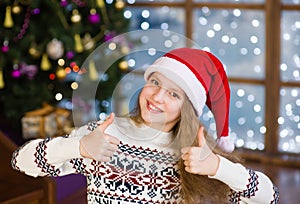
(200, 159)
(97, 145)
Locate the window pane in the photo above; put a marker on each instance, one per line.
(235, 36)
(247, 119)
(290, 41)
(150, 32)
(165, 18)
(289, 120)
(291, 1)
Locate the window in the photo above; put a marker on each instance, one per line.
(258, 42)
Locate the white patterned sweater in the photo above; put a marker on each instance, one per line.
(143, 170)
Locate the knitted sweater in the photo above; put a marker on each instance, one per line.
(143, 170)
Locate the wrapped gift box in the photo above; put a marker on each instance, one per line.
(45, 122)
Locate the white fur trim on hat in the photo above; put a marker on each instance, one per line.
(180, 74)
(226, 144)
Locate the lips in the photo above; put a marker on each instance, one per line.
(152, 108)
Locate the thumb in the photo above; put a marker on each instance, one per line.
(200, 136)
(107, 122)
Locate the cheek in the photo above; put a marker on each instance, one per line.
(145, 92)
(143, 96)
(175, 107)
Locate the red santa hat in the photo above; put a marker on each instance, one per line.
(202, 77)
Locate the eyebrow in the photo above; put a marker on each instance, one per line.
(173, 89)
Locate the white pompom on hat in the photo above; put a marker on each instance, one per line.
(202, 77)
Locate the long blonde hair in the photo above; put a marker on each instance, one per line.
(195, 189)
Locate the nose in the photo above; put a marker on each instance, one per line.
(159, 94)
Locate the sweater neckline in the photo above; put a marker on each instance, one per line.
(143, 133)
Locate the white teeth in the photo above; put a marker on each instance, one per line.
(153, 108)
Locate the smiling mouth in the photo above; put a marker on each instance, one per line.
(152, 108)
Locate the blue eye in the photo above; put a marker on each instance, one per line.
(155, 82)
(175, 95)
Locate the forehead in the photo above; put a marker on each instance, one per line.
(166, 82)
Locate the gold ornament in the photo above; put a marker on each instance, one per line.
(100, 3)
(60, 73)
(93, 74)
(102, 7)
(125, 50)
(120, 4)
(88, 42)
(45, 63)
(34, 51)
(1, 79)
(123, 65)
(76, 17)
(93, 11)
(8, 21)
(16, 9)
(78, 43)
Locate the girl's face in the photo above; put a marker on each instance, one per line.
(160, 102)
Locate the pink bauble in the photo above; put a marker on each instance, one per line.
(5, 48)
(16, 74)
(94, 18)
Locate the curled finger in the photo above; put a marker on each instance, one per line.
(113, 140)
(112, 147)
(103, 158)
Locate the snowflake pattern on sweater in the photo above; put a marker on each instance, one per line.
(252, 188)
(135, 174)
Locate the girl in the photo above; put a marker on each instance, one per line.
(159, 153)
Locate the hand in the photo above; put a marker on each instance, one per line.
(97, 145)
(200, 159)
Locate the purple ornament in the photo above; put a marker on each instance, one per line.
(5, 48)
(70, 55)
(36, 11)
(24, 26)
(108, 37)
(94, 18)
(63, 3)
(29, 70)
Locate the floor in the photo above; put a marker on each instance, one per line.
(286, 179)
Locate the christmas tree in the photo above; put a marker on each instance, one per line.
(44, 43)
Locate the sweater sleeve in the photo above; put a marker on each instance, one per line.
(248, 186)
(50, 157)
